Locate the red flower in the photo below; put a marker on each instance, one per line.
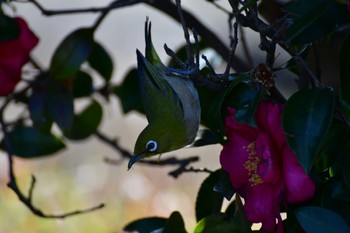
(13, 55)
(262, 167)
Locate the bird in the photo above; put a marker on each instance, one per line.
(171, 105)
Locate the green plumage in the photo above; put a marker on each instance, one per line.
(171, 105)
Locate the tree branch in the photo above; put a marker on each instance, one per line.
(12, 184)
(172, 161)
(168, 8)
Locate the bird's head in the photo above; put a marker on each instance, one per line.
(156, 139)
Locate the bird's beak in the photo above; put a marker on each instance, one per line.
(134, 159)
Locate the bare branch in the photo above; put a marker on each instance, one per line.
(172, 161)
(12, 184)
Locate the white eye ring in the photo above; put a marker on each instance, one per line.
(151, 146)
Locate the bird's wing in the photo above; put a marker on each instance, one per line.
(159, 98)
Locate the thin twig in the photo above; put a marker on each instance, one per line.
(12, 183)
(172, 161)
(186, 35)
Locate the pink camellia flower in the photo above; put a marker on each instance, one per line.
(13, 55)
(262, 167)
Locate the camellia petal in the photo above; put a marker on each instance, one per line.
(14, 54)
(262, 168)
(268, 167)
(299, 186)
(262, 205)
(268, 117)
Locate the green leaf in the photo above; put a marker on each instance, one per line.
(28, 142)
(240, 218)
(212, 114)
(344, 69)
(145, 225)
(346, 169)
(129, 93)
(86, 122)
(304, 22)
(82, 85)
(37, 106)
(217, 223)
(224, 186)
(175, 224)
(71, 53)
(61, 106)
(9, 28)
(101, 61)
(204, 137)
(306, 119)
(208, 201)
(244, 98)
(319, 220)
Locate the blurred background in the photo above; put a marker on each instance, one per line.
(79, 177)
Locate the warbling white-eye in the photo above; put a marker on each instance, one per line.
(171, 105)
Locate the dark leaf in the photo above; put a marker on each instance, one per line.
(224, 186)
(82, 85)
(346, 170)
(244, 99)
(240, 218)
(129, 93)
(306, 119)
(71, 53)
(101, 61)
(145, 225)
(305, 21)
(344, 70)
(217, 223)
(38, 107)
(9, 28)
(208, 201)
(85, 123)
(315, 219)
(61, 106)
(212, 105)
(175, 224)
(314, 19)
(204, 137)
(28, 142)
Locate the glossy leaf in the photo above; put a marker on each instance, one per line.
(61, 106)
(346, 170)
(217, 223)
(175, 224)
(224, 186)
(8, 27)
(344, 69)
(319, 220)
(85, 123)
(129, 93)
(244, 98)
(101, 61)
(145, 225)
(240, 217)
(305, 21)
(213, 113)
(82, 85)
(208, 201)
(204, 137)
(37, 106)
(71, 53)
(28, 142)
(306, 119)
(314, 19)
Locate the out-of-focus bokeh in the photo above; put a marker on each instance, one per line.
(78, 177)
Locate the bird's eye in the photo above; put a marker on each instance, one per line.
(151, 146)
